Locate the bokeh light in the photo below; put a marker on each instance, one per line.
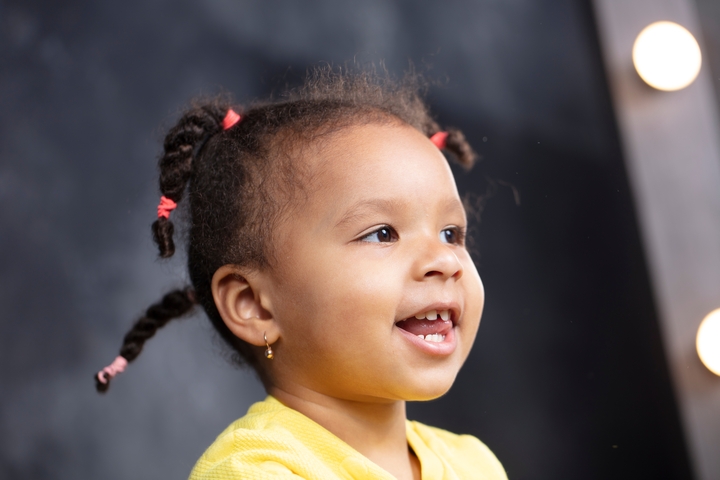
(708, 341)
(666, 56)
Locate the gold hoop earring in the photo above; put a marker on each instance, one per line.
(268, 352)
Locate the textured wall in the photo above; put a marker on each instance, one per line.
(567, 380)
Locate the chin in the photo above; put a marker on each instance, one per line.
(428, 391)
(427, 395)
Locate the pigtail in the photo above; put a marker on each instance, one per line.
(181, 144)
(239, 187)
(453, 140)
(456, 144)
(173, 305)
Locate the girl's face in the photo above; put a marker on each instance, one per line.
(378, 239)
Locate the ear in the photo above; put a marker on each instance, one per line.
(244, 304)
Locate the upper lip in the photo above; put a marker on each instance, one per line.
(453, 307)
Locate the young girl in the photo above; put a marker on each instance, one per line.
(326, 243)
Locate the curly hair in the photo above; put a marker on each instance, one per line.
(239, 180)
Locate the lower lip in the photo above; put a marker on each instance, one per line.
(444, 348)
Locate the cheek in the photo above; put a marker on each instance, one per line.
(475, 301)
(325, 298)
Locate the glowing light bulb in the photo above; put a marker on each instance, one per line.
(666, 56)
(708, 341)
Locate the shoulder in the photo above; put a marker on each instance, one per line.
(274, 441)
(259, 445)
(467, 456)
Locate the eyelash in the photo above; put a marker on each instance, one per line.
(390, 230)
(460, 233)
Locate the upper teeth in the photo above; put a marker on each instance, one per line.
(433, 315)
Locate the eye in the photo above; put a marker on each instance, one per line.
(383, 234)
(453, 235)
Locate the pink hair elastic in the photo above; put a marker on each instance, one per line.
(166, 206)
(231, 118)
(117, 366)
(439, 139)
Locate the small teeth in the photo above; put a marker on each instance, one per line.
(435, 338)
(434, 314)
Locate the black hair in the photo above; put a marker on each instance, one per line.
(224, 173)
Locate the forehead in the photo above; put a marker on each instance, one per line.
(375, 160)
(369, 173)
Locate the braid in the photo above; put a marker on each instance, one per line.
(459, 146)
(241, 179)
(181, 144)
(455, 143)
(173, 305)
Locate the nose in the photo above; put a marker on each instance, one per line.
(437, 259)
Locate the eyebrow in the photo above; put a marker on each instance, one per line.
(365, 208)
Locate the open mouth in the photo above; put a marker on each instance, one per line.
(431, 326)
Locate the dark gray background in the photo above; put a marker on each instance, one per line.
(568, 378)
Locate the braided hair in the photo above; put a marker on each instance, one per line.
(239, 180)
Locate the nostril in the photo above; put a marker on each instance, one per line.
(457, 273)
(433, 273)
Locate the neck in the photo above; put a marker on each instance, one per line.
(376, 430)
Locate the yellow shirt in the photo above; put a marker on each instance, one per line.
(274, 441)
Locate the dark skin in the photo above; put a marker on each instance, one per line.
(378, 241)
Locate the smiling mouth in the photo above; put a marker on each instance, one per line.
(431, 326)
